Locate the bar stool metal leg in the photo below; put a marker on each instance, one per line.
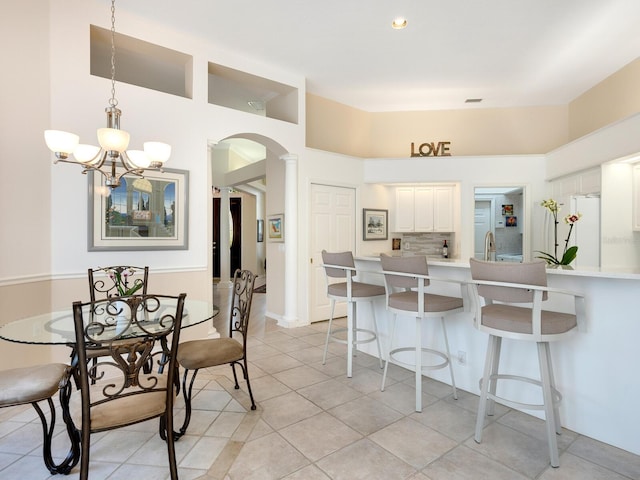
(549, 409)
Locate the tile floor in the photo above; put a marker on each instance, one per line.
(314, 423)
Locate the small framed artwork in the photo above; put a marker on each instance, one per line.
(507, 210)
(511, 221)
(396, 243)
(260, 230)
(374, 224)
(275, 227)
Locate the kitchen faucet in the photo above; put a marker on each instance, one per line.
(489, 247)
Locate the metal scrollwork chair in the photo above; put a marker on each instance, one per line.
(115, 281)
(20, 386)
(210, 352)
(507, 300)
(116, 392)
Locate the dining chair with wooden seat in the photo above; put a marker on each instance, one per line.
(32, 385)
(406, 281)
(507, 299)
(116, 392)
(340, 273)
(211, 352)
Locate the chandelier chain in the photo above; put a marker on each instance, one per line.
(112, 101)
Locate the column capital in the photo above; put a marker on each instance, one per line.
(289, 157)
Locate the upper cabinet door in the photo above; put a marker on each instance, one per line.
(424, 212)
(443, 209)
(404, 209)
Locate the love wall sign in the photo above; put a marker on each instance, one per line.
(431, 149)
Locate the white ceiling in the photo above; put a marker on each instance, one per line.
(507, 52)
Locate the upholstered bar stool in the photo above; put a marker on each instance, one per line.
(507, 300)
(340, 266)
(405, 281)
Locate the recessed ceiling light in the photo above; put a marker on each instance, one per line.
(473, 100)
(399, 23)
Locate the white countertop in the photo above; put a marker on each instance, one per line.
(631, 273)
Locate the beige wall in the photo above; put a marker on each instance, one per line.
(342, 129)
(530, 130)
(471, 132)
(334, 127)
(616, 97)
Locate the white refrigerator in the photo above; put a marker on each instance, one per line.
(586, 231)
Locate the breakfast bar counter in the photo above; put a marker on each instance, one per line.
(595, 369)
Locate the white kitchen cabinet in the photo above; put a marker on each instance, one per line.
(424, 209)
(636, 198)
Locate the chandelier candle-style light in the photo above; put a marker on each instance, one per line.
(113, 141)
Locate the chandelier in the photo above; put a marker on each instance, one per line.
(112, 154)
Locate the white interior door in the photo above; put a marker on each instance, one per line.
(482, 224)
(333, 228)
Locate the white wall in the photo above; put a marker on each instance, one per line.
(527, 171)
(609, 143)
(78, 102)
(24, 173)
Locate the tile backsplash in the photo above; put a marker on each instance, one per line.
(429, 244)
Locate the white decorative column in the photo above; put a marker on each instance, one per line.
(290, 315)
(223, 251)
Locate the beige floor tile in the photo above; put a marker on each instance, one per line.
(319, 435)
(203, 453)
(287, 409)
(364, 380)
(22, 440)
(462, 463)
(259, 430)
(225, 424)
(278, 363)
(522, 453)
(535, 427)
(301, 376)
(335, 366)
(267, 387)
(210, 400)
(402, 397)
(266, 458)
(364, 460)
(365, 415)
(310, 472)
(413, 442)
(329, 394)
(450, 420)
(610, 457)
(290, 344)
(309, 355)
(573, 467)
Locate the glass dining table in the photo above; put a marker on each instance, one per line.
(57, 328)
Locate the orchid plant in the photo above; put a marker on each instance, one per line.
(569, 253)
(120, 277)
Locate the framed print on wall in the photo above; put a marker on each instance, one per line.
(275, 227)
(143, 213)
(375, 225)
